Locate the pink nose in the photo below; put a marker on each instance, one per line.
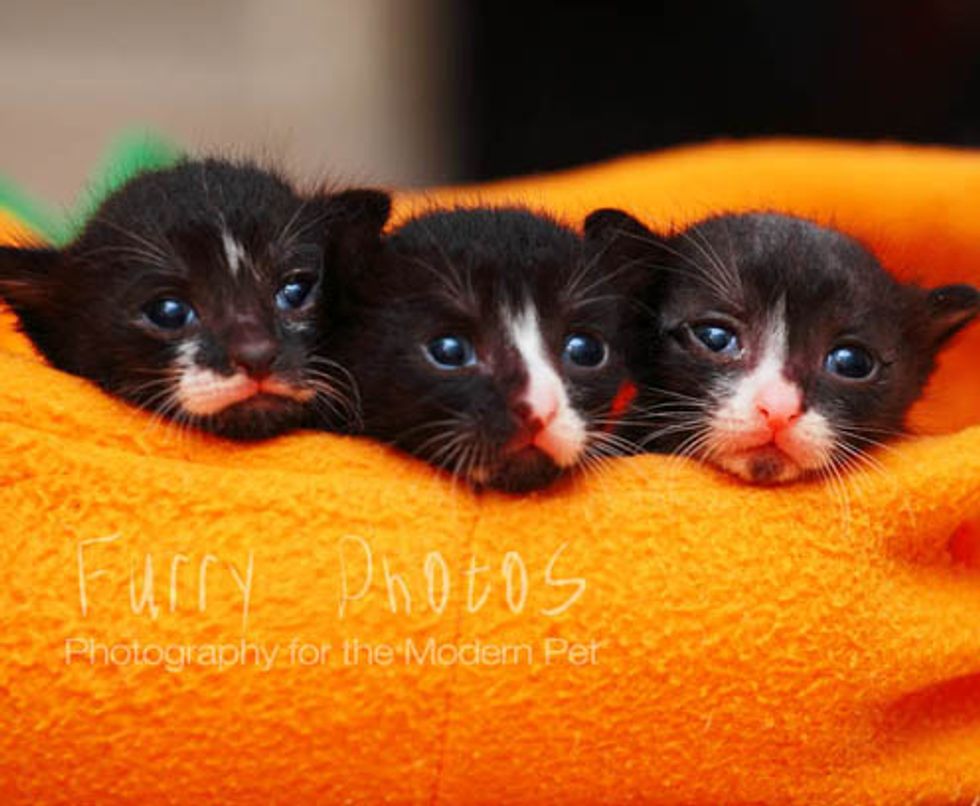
(780, 402)
(537, 410)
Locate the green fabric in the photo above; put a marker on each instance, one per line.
(35, 215)
(130, 153)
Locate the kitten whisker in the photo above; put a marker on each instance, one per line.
(700, 272)
(446, 421)
(595, 467)
(332, 408)
(447, 448)
(854, 456)
(464, 288)
(610, 444)
(452, 285)
(726, 271)
(133, 252)
(160, 250)
(836, 486)
(696, 446)
(675, 429)
(285, 236)
(607, 277)
(571, 287)
(341, 390)
(875, 443)
(444, 441)
(673, 393)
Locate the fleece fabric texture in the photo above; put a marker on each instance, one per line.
(656, 632)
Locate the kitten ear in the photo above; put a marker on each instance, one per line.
(367, 207)
(950, 308)
(629, 249)
(608, 225)
(25, 277)
(357, 218)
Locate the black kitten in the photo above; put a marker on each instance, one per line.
(780, 349)
(195, 292)
(486, 342)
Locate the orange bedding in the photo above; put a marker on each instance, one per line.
(319, 618)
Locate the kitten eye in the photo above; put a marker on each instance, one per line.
(451, 352)
(170, 313)
(584, 350)
(718, 339)
(294, 293)
(850, 361)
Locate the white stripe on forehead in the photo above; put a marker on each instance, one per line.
(544, 386)
(187, 353)
(564, 435)
(775, 343)
(234, 252)
(808, 441)
(771, 366)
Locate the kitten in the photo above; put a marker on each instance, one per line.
(199, 292)
(485, 342)
(780, 349)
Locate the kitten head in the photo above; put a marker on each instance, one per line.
(485, 342)
(193, 292)
(781, 349)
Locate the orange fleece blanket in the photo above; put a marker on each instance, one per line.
(317, 618)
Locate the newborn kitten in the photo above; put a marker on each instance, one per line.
(781, 349)
(195, 292)
(486, 342)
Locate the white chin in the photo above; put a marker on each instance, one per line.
(766, 465)
(207, 403)
(798, 452)
(563, 446)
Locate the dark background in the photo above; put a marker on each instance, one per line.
(545, 85)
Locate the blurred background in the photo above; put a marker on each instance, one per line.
(420, 92)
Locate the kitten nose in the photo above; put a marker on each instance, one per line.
(255, 356)
(535, 413)
(780, 403)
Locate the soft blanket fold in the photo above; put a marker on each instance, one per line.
(317, 618)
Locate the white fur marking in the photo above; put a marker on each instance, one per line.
(234, 252)
(563, 435)
(741, 404)
(201, 391)
(186, 354)
(738, 429)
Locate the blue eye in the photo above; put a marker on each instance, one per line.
(170, 313)
(451, 352)
(718, 339)
(584, 350)
(294, 293)
(851, 362)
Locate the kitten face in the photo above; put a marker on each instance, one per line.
(196, 293)
(490, 347)
(783, 349)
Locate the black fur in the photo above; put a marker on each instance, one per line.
(161, 236)
(735, 268)
(453, 272)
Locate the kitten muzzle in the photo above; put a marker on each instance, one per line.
(206, 393)
(778, 456)
(547, 440)
(522, 470)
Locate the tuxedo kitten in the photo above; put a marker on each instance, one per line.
(486, 342)
(780, 349)
(195, 291)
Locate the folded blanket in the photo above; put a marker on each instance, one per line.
(319, 618)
